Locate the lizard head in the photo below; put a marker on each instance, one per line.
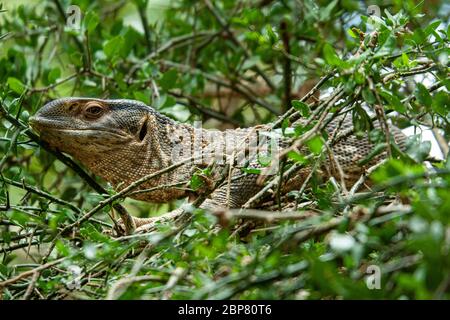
(104, 135)
(72, 124)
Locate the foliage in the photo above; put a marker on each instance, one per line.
(230, 64)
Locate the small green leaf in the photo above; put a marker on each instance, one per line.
(368, 96)
(417, 149)
(301, 107)
(393, 101)
(377, 150)
(264, 160)
(297, 157)
(330, 55)
(16, 85)
(251, 170)
(113, 46)
(196, 182)
(53, 75)
(352, 34)
(405, 59)
(325, 13)
(91, 21)
(315, 144)
(422, 95)
(441, 103)
(169, 79)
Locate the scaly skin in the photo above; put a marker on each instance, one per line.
(124, 140)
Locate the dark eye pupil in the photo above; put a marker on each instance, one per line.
(94, 110)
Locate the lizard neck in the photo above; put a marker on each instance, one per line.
(121, 166)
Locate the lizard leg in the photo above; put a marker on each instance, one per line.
(148, 224)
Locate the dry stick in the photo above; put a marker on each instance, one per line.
(334, 159)
(298, 143)
(40, 193)
(175, 185)
(123, 193)
(178, 274)
(292, 111)
(268, 186)
(31, 286)
(18, 246)
(226, 27)
(443, 144)
(313, 131)
(322, 228)
(197, 105)
(31, 272)
(238, 87)
(120, 286)
(267, 216)
(172, 43)
(381, 115)
(52, 86)
(11, 144)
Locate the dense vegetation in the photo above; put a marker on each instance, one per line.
(231, 64)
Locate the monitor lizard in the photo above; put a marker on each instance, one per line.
(124, 140)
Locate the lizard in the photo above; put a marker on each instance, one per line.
(123, 140)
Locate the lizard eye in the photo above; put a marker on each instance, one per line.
(93, 110)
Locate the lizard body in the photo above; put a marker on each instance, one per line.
(124, 140)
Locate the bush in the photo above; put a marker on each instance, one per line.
(230, 65)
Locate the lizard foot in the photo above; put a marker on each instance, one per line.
(144, 225)
(150, 223)
(138, 222)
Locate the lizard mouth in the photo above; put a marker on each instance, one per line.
(43, 126)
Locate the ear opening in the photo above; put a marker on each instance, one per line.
(143, 130)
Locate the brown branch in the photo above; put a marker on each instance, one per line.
(225, 25)
(30, 272)
(238, 87)
(287, 70)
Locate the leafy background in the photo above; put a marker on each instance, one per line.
(230, 64)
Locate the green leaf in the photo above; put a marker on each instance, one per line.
(315, 144)
(297, 157)
(113, 46)
(352, 34)
(301, 107)
(264, 160)
(196, 182)
(361, 120)
(441, 103)
(76, 58)
(378, 149)
(368, 95)
(431, 28)
(16, 85)
(91, 21)
(417, 149)
(53, 75)
(330, 55)
(405, 59)
(169, 79)
(251, 170)
(325, 13)
(393, 101)
(422, 95)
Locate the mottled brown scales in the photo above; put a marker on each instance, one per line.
(124, 140)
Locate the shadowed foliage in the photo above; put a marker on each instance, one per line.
(232, 64)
